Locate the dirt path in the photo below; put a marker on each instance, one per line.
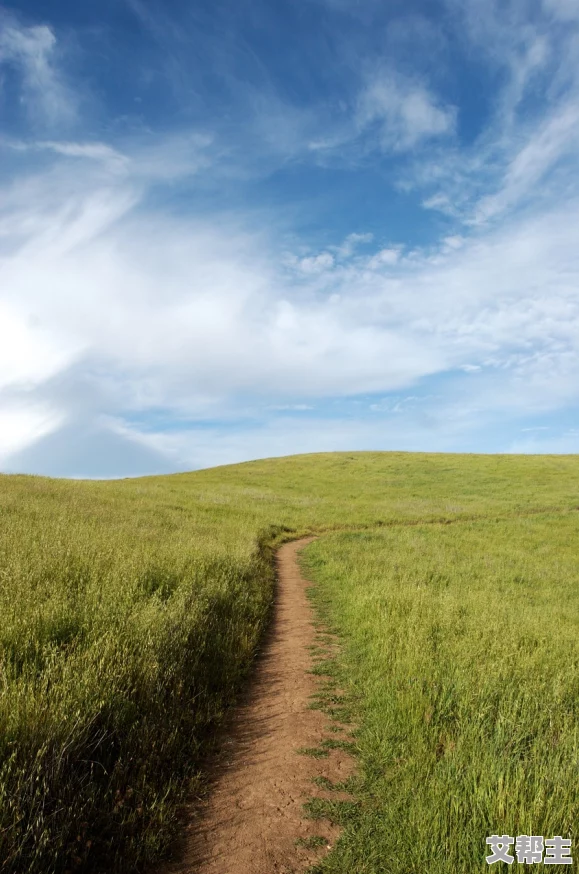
(253, 814)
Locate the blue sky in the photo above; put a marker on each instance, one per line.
(231, 230)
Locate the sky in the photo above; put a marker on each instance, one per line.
(233, 229)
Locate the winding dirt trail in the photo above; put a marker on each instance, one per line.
(252, 819)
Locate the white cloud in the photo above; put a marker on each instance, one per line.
(32, 51)
(565, 10)
(443, 203)
(390, 113)
(455, 241)
(29, 350)
(385, 257)
(405, 111)
(398, 405)
(317, 263)
(187, 315)
(151, 158)
(100, 152)
(555, 138)
(173, 157)
(532, 123)
(351, 243)
(23, 424)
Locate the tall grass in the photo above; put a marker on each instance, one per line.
(108, 687)
(130, 613)
(461, 650)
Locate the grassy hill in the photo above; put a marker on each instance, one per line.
(130, 612)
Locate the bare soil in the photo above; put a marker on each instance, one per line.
(252, 819)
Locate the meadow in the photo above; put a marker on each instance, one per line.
(461, 662)
(130, 613)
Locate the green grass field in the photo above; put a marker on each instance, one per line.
(130, 613)
(461, 656)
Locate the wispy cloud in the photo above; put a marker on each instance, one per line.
(32, 51)
(552, 140)
(92, 151)
(405, 112)
(533, 118)
(565, 10)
